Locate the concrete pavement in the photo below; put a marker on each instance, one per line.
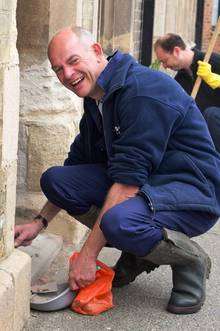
(141, 305)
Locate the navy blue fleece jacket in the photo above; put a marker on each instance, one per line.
(153, 136)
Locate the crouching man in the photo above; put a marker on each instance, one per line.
(143, 172)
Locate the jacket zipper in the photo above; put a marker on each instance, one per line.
(104, 133)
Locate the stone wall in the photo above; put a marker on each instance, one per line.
(9, 110)
(137, 28)
(14, 265)
(119, 25)
(49, 113)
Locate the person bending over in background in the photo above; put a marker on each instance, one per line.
(173, 53)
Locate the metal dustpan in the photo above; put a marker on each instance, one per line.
(60, 299)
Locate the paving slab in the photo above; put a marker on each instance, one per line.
(141, 305)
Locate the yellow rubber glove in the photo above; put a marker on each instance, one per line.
(205, 72)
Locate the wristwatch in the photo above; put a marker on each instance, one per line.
(42, 219)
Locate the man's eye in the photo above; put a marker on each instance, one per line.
(57, 70)
(74, 61)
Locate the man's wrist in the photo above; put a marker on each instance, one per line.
(41, 219)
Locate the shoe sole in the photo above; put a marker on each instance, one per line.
(184, 310)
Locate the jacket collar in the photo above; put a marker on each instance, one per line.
(114, 75)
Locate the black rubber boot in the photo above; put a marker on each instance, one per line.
(190, 267)
(128, 267)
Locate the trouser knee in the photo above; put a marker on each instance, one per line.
(54, 186)
(48, 181)
(128, 234)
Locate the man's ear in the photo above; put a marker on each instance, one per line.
(97, 48)
(176, 51)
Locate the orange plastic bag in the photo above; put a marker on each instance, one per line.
(96, 297)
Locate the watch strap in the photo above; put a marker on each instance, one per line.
(42, 219)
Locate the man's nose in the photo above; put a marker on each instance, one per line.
(68, 72)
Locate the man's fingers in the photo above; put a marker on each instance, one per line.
(17, 231)
(73, 285)
(20, 239)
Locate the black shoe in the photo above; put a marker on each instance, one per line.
(128, 267)
(190, 268)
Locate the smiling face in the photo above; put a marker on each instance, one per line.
(76, 64)
(171, 60)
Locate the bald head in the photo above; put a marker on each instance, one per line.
(83, 36)
(77, 60)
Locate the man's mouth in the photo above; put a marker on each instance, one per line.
(77, 81)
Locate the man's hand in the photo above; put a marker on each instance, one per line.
(82, 272)
(204, 71)
(24, 234)
(83, 269)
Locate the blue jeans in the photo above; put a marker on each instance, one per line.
(129, 226)
(212, 117)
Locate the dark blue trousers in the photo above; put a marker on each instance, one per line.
(129, 226)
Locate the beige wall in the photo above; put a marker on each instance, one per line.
(9, 109)
(14, 265)
(116, 22)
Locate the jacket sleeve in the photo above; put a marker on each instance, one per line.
(145, 127)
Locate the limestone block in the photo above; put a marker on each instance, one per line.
(8, 33)
(6, 5)
(1, 93)
(33, 23)
(11, 175)
(14, 291)
(69, 228)
(0, 140)
(4, 22)
(22, 156)
(2, 236)
(4, 35)
(60, 18)
(42, 93)
(159, 18)
(29, 203)
(7, 207)
(48, 145)
(87, 14)
(10, 114)
(6, 301)
(2, 212)
(2, 189)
